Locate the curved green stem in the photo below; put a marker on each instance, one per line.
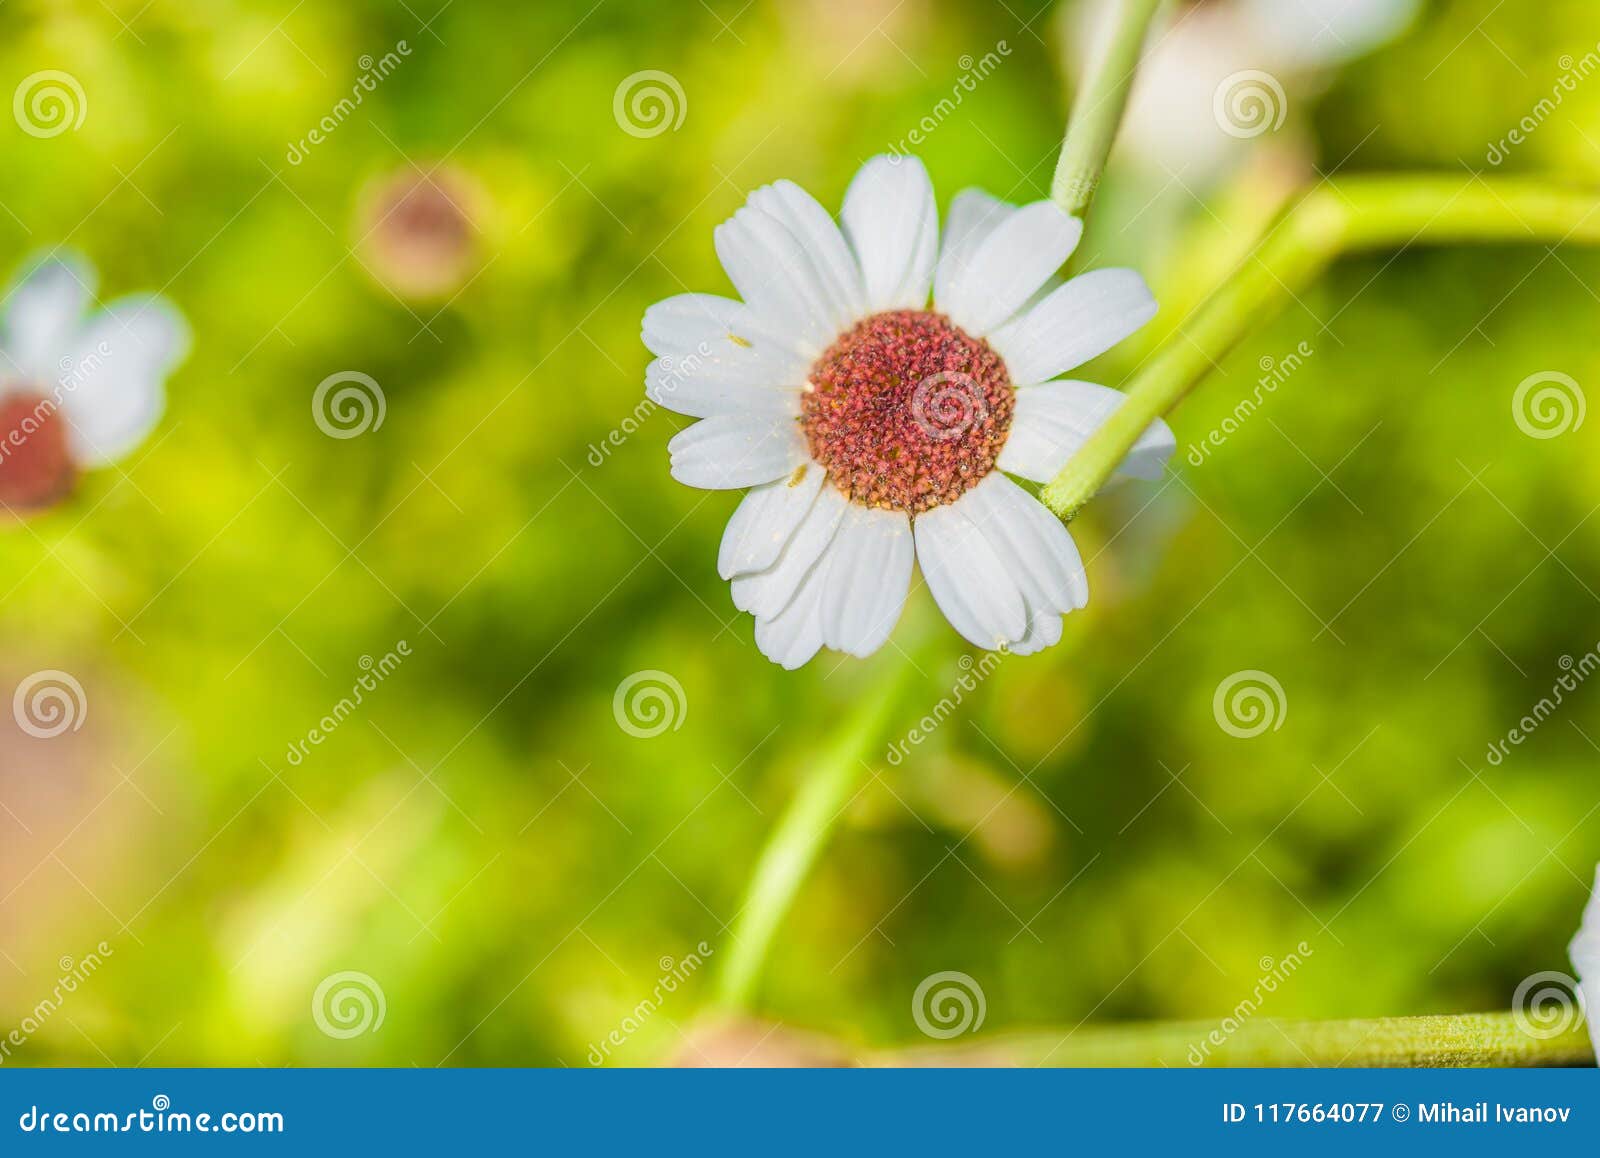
(823, 797)
(1465, 1039)
(1097, 111)
(1336, 218)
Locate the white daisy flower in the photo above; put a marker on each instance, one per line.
(876, 431)
(1585, 954)
(78, 390)
(1171, 122)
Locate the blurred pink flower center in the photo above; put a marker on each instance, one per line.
(35, 468)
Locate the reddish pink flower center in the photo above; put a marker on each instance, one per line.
(907, 411)
(35, 468)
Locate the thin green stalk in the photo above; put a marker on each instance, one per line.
(824, 796)
(1337, 218)
(1097, 111)
(1465, 1039)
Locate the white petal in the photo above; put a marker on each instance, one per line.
(707, 325)
(892, 222)
(43, 313)
(113, 378)
(868, 574)
(1322, 32)
(1044, 630)
(678, 324)
(817, 234)
(1053, 420)
(1585, 954)
(765, 521)
(1148, 457)
(1009, 265)
(702, 388)
(1081, 320)
(777, 279)
(766, 593)
(793, 636)
(974, 214)
(736, 450)
(1032, 544)
(967, 578)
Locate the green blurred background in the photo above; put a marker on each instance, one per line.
(481, 838)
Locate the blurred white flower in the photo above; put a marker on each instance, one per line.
(876, 431)
(1585, 954)
(79, 389)
(1223, 70)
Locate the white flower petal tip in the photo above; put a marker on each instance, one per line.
(1081, 320)
(1054, 419)
(765, 522)
(732, 451)
(43, 311)
(826, 389)
(892, 222)
(1585, 954)
(106, 370)
(1007, 266)
(113, 377)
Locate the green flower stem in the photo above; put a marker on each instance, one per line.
(1097, 111)
(824, 795)
(1336, 218)
(1465, 1039)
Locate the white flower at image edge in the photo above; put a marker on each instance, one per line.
(100, 373)
(876, 431)
(1170, 125)
(1585, 954)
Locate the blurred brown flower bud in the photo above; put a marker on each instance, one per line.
(417, 230)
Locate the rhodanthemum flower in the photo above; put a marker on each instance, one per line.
(1223, 71)
(877, 431)
(79, 388)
